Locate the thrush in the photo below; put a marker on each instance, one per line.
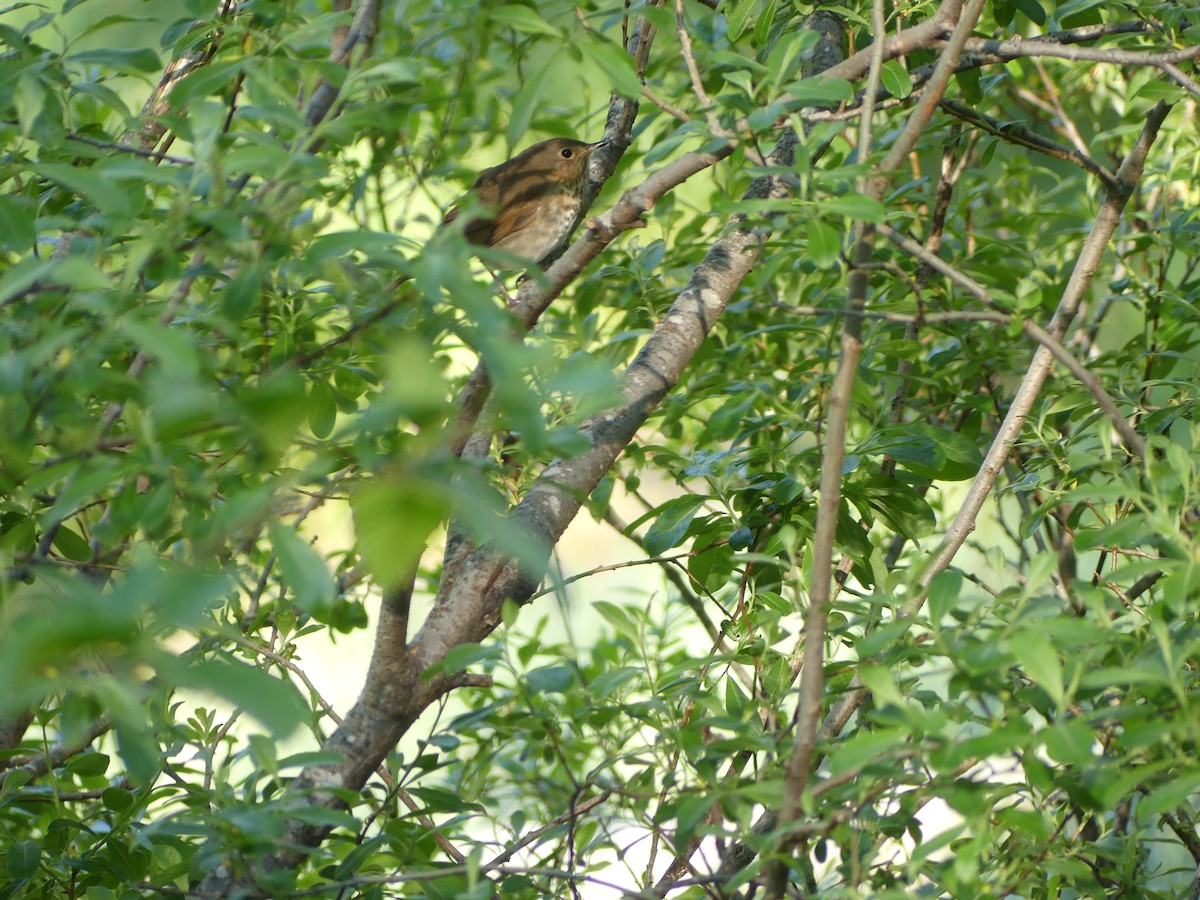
(532, 202)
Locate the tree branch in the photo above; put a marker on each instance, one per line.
(1023, 137)
(1003, 51)
(812, 676)
(1127, 178)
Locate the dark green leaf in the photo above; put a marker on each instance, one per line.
(304, 572)
(671, 523)
(550, 679)
(1033, 10)
(896, 79)
(23, 859)
(140, 59)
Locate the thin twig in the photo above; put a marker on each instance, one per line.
(1129, 435)
(1008, 50)
(1023, 137)
(1185, 81)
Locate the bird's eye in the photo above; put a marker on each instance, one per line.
(566, 153)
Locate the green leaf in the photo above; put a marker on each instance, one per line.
(71, 544)
(824, 243)
(689, 814)
(415, 386)
(613, 680)
(273, 701)
(522, 18)
(23, 859)
(393, 520)
(304, 572)
(137, 746)
(322, 410)
(737, 13)
(943, 595)
(819, 90)
(17, 215)
(88, 765)
(30, 100)
(620, 619)
(204, 81)
(1033, 10)
(242, 292)
(671, 523)
(262, 752)
(123, 60)
(897, 503)
(526, 101)
(896, 79)
(616, 64)
(1069, 742)
(1079, 12)
(762, 27)
(784, 58)
(864, 746)
(1167, 797)
(881, 684)
(100, 190)
(968, 83)
(927, 451)
(854, 206)
(387, 73)
(117, 799)
(464, 655)
(1039, 658)
(550, 679)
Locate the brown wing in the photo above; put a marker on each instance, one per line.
(479, 230)
(511, 218)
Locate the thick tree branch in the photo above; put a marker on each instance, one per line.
(812, 677)
(152, 128)
(361, 36)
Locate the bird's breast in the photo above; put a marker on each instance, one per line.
(538, 234)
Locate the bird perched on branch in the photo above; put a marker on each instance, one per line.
(532, 202)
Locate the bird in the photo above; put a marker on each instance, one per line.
(531, 203)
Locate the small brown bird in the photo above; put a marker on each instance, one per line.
(532, 201)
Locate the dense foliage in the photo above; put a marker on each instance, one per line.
(239, 408)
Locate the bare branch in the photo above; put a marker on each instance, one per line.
(1181, 78)
(38, 764)
(157, 104)
(363, 29)
(576, 811)
(1023, 137)
(1008, 50)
